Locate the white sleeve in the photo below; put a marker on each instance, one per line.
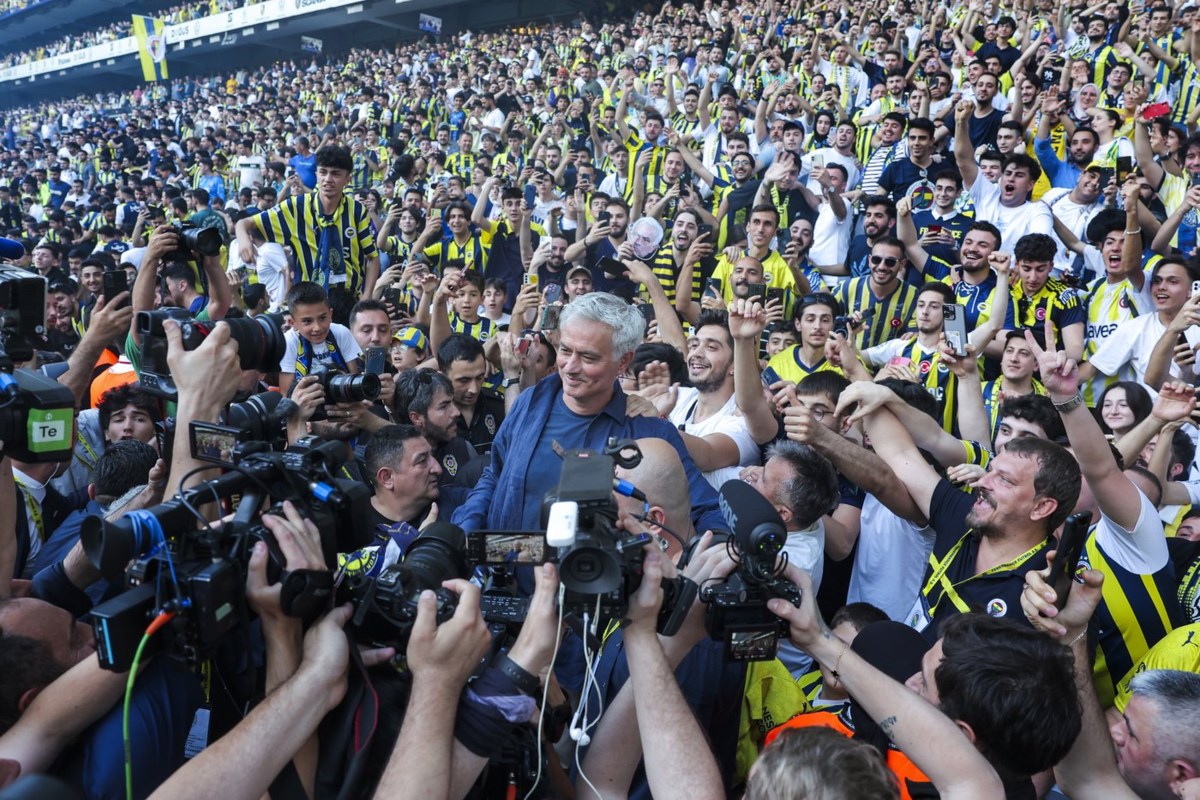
(881, 354)
(287, 364)
(1143, 550)
(346, 343)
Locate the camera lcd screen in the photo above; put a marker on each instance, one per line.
(753, 645)
(509, 548)
(214, 443)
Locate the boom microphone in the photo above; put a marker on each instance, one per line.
(756, 525)
(11, 250)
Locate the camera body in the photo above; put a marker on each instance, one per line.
(342, 387)
(737, 609)
(385, 606)
(195, 242)
(168, 564)
(37, 413)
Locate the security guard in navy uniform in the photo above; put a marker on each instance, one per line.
(486, 418)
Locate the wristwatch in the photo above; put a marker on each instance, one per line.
(507, 382)
(1070, 405)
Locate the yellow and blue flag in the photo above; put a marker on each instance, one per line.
(152, 47)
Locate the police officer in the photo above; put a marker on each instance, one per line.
(480, 406)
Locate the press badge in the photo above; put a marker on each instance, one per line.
(919, 618)
(197, 738)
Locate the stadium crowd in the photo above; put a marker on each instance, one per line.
(923, 276)
(117, 30)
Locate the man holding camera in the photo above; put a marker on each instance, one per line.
(580, 407)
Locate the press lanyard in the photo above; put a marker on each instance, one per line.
(34, 509)
(940, 568)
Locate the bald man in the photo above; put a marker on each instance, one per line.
(662, 479)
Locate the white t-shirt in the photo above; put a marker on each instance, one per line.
(271, 266)
(890, 562)
(1072, 215)
(322, 353)
(1143, 550)
(831, 237)
(829, 155)
(728, 421)
(1013, 221)
(1132, 343)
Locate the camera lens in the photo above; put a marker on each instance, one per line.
(205, 241)
(110, 546)
(590, 570)
(437, 555)
(351, 388)
(260, 341)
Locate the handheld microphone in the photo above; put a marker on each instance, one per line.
(11, 250)
(756, 525)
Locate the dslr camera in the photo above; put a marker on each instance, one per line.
(195, 242)
(342, 387)
(260, 343)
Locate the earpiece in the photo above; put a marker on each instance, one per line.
(580, 736)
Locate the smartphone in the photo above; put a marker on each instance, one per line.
(508, 548)
(1124, 168)
(1155, 110)
(770, 377)
(612, 267)
(1067, 555)
(530, 195)
(758, 290)
(647, 311)
(818, 160)
(775, 294)
(553, 293)
(704, 229)
(550, 318)
(391, 296)
(374, 360)
(1106, 175)
(435, 213)
(934, 229)
(1195, 287)
(954, 325)
(603, 218)
(529, 279)
(523, 345)
(115, 282)
(712, 287)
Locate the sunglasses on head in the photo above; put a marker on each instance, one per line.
(890, 261)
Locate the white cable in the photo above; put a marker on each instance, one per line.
(537, 777)
(589, 679)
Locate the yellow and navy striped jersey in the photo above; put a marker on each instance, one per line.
(1135, 612)
(658, 155)
(665, 269)
(1055, 301)
(1107, 305)
(461, 164)
(483, 329)
(893, 312)
(297, 223)
(932, 373)
(397, 248)
(686, 127)
(979, 300)
(789, 365)
(992, 400)
(473, 252)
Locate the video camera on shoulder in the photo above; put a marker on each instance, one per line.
(37, 414)
(260, 343)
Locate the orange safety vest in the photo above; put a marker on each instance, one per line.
(913, 782)
(118, 374)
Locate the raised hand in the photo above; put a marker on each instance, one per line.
(1060, 374)
(747, 319)
(1176, 401)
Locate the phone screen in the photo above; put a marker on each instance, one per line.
(498, 548)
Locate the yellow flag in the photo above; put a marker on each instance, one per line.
(152, 47)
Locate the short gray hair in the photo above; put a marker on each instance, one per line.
(812, 491)
(1176, 697)
(627, 323)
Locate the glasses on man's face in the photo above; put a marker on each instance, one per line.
(889, 261)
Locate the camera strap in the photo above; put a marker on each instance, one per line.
(348, 732)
